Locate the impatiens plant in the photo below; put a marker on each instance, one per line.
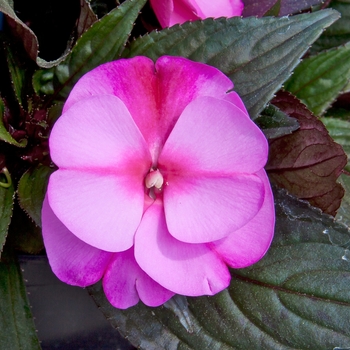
(160, 183)
(129, 152)
(170, 12)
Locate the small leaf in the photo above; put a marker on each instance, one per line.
(7, 195)
(318, 80)
(86, 19)
(16, 322)
(287, 7)
(308, 162)
(103, 42)
(31, 191)
(274, 123)
(258, 54)
(296, 297)
(274, 10)
(4, 134)
(339, 32)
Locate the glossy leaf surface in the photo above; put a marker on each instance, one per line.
(257, 54)
(318, 80)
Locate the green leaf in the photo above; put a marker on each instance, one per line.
(318, 80)
(274, 123)
(296, 297)
(343, 213)
(17, 72)
(4, 134)
(31, 191)
(339, 130)
(103, 42)
(258, 54)
(339, 32)
(274, 10)
(7, 195)
(16, 322)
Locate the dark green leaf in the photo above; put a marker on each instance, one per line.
(287, 7)
(296, 297)
(343, 214)
(4, 134)
(318, 80)
(339, 32)
(7, 194)
(103, 42)
(16, 322)
(339, 130)
(31, 191)
(17, 73)
(258, 54)
(274, 123)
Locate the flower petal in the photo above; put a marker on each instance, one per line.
(103, 210)
(99, 132)
(205, 209)
(188, 269)
(249, 244)
(213, 136)
(218, 8)
(73, 261)
(154, 94)
(124, 283)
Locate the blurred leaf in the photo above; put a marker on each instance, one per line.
(343, 213)
(16, 322)
(308, 162)
(4, 134)
(7, 195)
(287, 7)
(318, 80)
(31, 191)
(339, 32)
(274, 10)
(24, 234)
(274, 123)
(257, 54)
(339, 130)
(296, 297)
(27, 36)
(103, 42)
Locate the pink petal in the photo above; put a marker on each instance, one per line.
(213, 136)
(73, 261)
(155, 95)
(249, 244)
(183, 11)
(124, 283)
(218, 8)
(205, 209)
(188, 269)
(163, 10)
(102, 209)
(99, 133)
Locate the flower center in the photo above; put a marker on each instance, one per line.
(154, 181)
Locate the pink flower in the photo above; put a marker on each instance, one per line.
(170, 12)
(160, 185)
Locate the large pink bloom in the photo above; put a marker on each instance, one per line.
(160, 185)
(170, 12)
